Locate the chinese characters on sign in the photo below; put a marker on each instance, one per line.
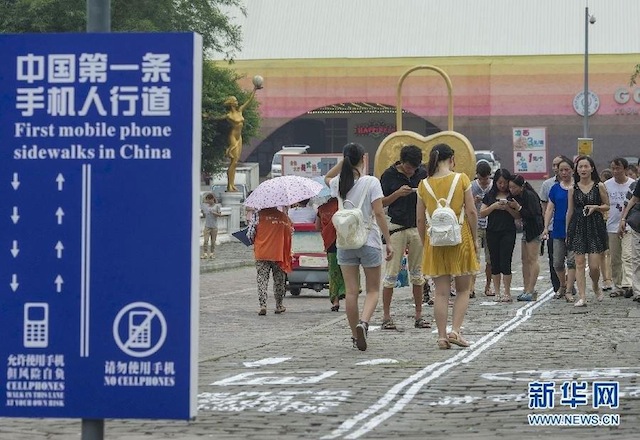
(50, 86)
(573, 395)
(530, 152)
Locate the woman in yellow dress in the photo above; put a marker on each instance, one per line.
(442, 263)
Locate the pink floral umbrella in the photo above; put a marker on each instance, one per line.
(282, 191)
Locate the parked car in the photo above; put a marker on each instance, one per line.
(489, 157)
(276, 162)
(310, 266)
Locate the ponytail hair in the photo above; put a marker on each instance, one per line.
(353, 154)
(526, 186)
(439, 153)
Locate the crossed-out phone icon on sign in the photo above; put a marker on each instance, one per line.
(139, 329)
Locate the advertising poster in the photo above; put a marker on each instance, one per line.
(530, 152)
(313, 165)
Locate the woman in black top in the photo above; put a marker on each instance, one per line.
(501, 231)
(527, 203)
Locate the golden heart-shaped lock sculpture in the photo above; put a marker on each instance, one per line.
(389, 149)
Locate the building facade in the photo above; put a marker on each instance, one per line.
(503, 89)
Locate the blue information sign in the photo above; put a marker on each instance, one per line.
(99, 170)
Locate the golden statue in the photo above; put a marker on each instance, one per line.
(236, 122)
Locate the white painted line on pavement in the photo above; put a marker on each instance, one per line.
(378, 362)
(433, 371)
(266, 361)
(303, 377)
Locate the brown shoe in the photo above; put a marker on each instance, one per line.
(280, 310)
(263, 311)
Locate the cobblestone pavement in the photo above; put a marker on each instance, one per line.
(295, 375)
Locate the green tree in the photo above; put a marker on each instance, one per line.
(203, 16)
(206, 17)
(636, 73)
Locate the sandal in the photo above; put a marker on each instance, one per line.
(443, 343)
(489, 292)
(421, 323)
(617, 293)
(456, 338)
(561, 293)
(280, 310)
(263, 311)
(473, 294)
(569, 297)
(335, 308)
(388, 324)
(506, 299)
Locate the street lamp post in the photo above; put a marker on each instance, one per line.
(585, 95)
(588, 19)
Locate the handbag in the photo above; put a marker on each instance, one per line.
(633, 218)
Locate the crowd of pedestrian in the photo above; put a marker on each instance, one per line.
(586, 222)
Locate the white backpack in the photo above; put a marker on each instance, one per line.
(444, 227)
(351, 229)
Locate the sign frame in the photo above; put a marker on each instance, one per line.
(97, 309)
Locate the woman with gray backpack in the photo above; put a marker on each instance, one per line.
(447, 223)
(358, 236)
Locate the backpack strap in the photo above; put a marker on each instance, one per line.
(365, 192)
(452, 189)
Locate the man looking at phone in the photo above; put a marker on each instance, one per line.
(399, 185)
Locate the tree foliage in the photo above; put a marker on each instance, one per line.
(634, 77)
(205, 17)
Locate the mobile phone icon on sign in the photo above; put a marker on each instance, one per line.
(140, 329)
(36, 325)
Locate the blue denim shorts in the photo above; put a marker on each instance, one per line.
(367, 256)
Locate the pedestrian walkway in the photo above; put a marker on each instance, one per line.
(227, 256)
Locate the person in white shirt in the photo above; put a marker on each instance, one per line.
(350, 183)
(619, 246)
(302, 212)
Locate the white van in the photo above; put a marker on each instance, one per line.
(276, 162)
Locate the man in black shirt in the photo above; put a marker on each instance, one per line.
(399, 185)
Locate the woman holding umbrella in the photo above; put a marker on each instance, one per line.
(270, 230)
(353, 185)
